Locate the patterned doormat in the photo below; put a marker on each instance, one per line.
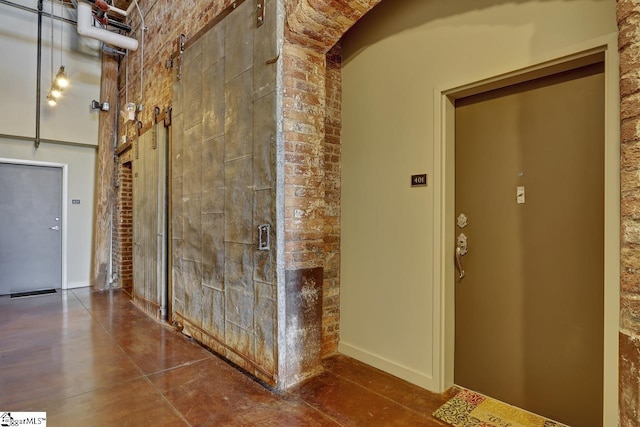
(471, 409)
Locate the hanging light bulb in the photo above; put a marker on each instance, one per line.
(61, 78)
(55, 92)
(51, 100)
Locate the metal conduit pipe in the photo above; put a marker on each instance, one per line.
(101, 16)
(143, 28)
(36, 143)
(104, 4)
(87, 29)
(122, 12)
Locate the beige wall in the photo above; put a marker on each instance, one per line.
(71, 121)
(394, 59)
(80, 163)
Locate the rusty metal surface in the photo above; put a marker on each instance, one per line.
(147, 223)
(304, 322)
(222, 160)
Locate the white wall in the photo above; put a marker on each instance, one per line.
(394, 58)
(71, 121)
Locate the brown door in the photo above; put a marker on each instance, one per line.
(530, 181)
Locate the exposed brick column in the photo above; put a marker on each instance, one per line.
(312, 127)
(312, 124)
(304, 207)
(123, 223)
(332, 155)
(628, 12)
(304, 103)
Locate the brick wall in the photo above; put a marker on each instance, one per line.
(123, 221)
(165, 20)
(331, 238)
(305, 183)
(303, 125)
(312, 128)
(312, 125)
(629, 45)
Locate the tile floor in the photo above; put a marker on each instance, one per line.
(93, 359)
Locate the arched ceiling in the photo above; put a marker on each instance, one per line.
(319, 24)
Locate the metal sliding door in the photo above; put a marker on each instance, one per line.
(149, 221)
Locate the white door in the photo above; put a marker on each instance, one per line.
(30, 228)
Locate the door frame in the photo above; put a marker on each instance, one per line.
(600, 49)
(65, 175)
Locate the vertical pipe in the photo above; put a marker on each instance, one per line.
(162, 213)
(143, 28)
(169, 226)
(36, 143)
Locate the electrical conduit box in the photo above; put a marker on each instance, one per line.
(129, 112)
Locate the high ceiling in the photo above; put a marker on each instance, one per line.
(122, 4)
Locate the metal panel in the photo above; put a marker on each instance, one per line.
(223, 157)
(149, 221)
(31, 228)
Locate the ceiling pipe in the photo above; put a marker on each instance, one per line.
(122, 12)
(87, 29)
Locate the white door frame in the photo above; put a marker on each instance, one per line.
(444, 204)
(64, 167)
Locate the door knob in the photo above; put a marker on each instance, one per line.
(55, 227)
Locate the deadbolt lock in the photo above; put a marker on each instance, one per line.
(462, 220)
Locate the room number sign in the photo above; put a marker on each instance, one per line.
(419, 180)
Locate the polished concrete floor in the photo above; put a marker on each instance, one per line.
(93, 359)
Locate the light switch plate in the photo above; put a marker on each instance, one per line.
(520, 194)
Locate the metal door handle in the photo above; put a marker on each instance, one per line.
(55, 227)
(462, 247)
(459, 261)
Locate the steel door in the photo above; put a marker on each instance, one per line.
(149, 221)
(30, 228)
(530, 189)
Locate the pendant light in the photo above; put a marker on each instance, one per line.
(61, 77)
(54, 91)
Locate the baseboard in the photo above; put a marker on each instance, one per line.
(74, 285)
(414, 377)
